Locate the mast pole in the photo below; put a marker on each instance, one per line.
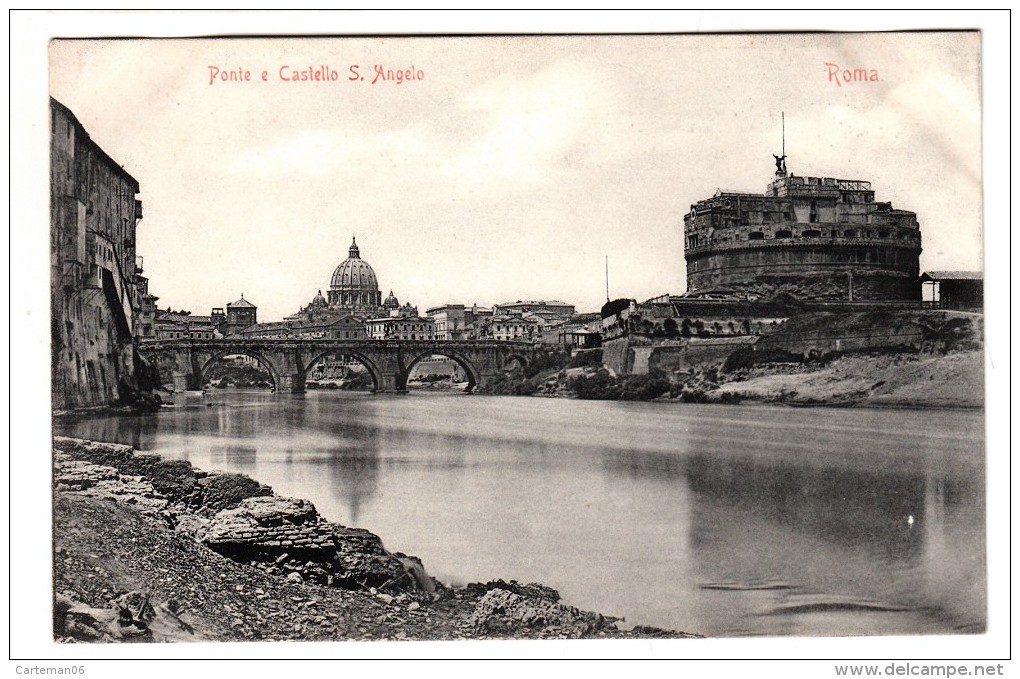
(784, 133)
(607, 278)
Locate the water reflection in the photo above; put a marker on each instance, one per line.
(238, 455)
(355, 478)
(714, 520)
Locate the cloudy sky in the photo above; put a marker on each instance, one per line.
(514, 165)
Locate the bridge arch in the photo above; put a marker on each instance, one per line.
(274, 373)
(373, 369)
(474, 377)
(514, 361)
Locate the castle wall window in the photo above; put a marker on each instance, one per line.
(756, 235)
(784, 234)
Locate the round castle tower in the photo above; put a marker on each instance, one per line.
(813, 237)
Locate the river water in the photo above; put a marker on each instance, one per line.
(720, 520)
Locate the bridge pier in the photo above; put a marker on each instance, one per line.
(293, 383)
(184, 381)
(485, 378)
(388, 383)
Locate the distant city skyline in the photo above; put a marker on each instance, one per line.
(506, 168)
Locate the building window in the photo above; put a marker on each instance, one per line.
(784, 234)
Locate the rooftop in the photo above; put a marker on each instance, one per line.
(551, 302)
(953, 275)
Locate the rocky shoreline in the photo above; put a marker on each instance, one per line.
(147, 549)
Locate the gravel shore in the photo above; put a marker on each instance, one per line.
(177, 554)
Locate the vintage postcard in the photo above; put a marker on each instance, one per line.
(643, 338)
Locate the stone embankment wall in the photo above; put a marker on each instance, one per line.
(625, 358)
(616, 355)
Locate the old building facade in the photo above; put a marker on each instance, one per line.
(241, 314)
(812, 237)
(401, 328)
(449, 321)
(345, 328)
(95, 292)
(547, 309)
(145, 314)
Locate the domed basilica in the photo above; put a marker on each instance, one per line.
(354, 286)
(354, 290)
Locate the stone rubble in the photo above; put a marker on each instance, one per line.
(140, 557)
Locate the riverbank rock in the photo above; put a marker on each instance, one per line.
(176, 480)
(220, 490)
(127, 571)
(287, 536)
(239, 518)
(501, 611)
(106, 483)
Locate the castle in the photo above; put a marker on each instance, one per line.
(815, 238)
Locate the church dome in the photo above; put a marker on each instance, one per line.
(319, 300)
(354, 274)
(354, 284)
(391, 302)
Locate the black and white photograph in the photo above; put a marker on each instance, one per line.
(400, 343)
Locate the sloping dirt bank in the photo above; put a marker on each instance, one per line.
(901, 380)
(919, 358)
(177, 554)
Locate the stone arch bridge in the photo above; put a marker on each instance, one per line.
(185, 362)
